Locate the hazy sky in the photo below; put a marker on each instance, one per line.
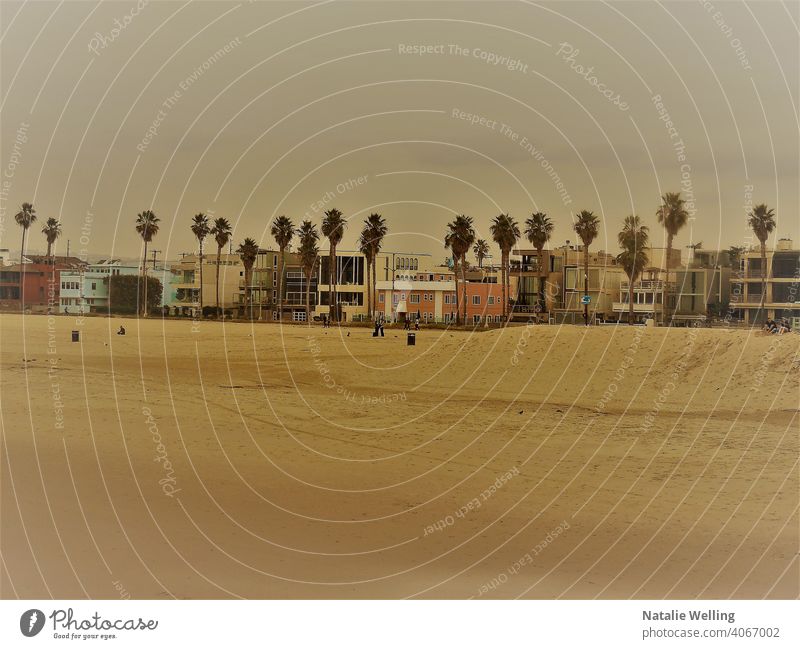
(252, 109)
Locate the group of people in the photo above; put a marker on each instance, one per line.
(379, 322)
(781, 326)
(407, 324)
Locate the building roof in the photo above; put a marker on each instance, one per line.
(58, 260)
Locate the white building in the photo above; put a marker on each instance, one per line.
(86, 290)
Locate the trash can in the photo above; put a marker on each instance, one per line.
(412, 339)
(76, 336)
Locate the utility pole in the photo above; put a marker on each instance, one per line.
(155, 252)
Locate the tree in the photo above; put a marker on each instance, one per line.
(505, 233)
(633, 239)
(762, 222)
(735, 256)
(375, 230)
(248, 251)
(459, 238)
(51, 230)
(672, 215)
(222, 234)
(333, 226)
(201, 229)
(124, 292)
(586, 226)
(24, 218)
(309, 255)
(282, 231)
(147, 227)
(481, 251)
(538, 229)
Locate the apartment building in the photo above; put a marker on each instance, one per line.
(183, 286)
(34, 285)
(782, 298)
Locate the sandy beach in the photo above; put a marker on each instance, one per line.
(211, 460)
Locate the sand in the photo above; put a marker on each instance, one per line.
(211, 460)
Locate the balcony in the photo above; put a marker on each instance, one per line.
(624, 307)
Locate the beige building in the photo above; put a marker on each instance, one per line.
(185, 282)
(782, 299)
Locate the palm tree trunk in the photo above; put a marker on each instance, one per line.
(201, 277)
(464, 283)
(49, 248)
(308, 299)
(503, 291)
(374, 275)
(331, 257)
(763, 275)
(455, 280)
(366, 284)
(248, 311)
(219, 255)
(666, 281)
(280, 284)
(630, 300)
(144, 280)
(586, 282)
(22, 271)
(334, 300)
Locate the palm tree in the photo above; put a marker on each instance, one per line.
(309, 254)
(505, 233)
(459, 238)
(222, 234)
(481, 251)
(333, 226)
(586, 226)
(147, 227)
(248, 251)
(376, 227)
(538, 229)
(24, 218)
(282, 231)
(201, 229)
(673, 216)
(51, 230)
(633, 239)
(762, 221)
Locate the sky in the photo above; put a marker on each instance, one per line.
(418, 111)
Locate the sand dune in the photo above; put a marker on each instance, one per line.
(236, 461)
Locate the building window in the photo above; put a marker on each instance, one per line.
(476, 319)
(490, 299)
(274, 261)
(497, 318)
(402, 296)
(94, 286)
(381, 298)
(274, 315)
(414, 298)
(476, 299)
